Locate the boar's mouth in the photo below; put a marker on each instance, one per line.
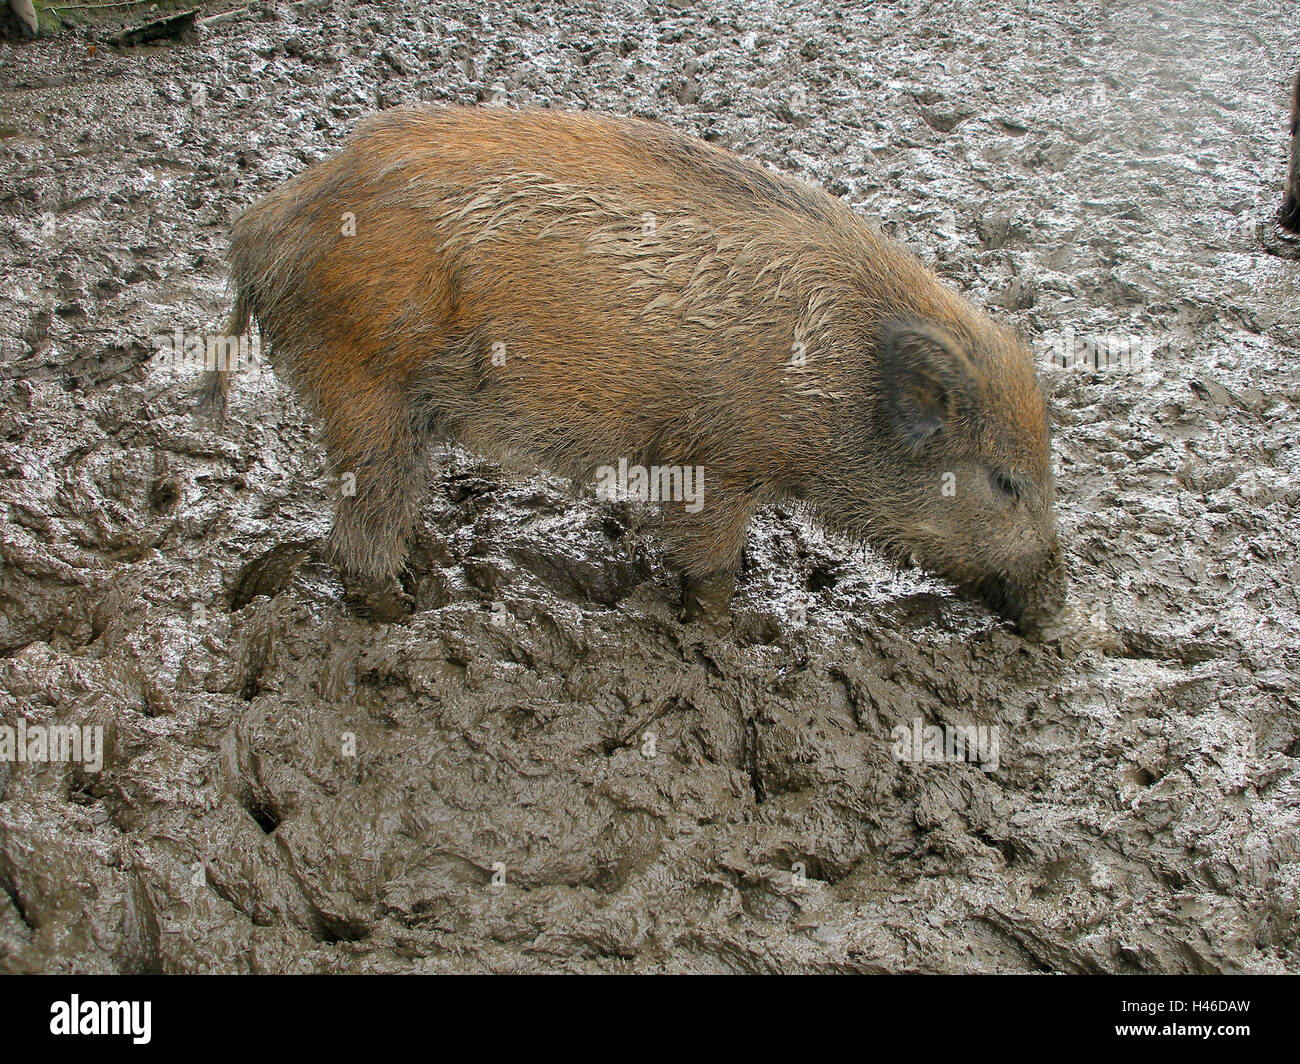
(1288, 217)
(1030, 604)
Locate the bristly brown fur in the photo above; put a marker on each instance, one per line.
(570, 289)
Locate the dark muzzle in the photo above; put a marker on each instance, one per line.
(1030, 604)
(1288, 216)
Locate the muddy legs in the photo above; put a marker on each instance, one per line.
(706, 547)
(379, 461)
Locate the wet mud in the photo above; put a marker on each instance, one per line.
(543, 768)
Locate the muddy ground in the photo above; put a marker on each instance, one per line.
(544, 770)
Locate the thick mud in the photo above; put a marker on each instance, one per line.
(544, 769)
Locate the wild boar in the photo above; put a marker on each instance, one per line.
(572, 291)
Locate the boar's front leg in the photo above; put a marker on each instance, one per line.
(706, 548)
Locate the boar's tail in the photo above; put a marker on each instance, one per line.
(214, 388)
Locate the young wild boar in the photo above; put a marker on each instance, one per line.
(1288, 217)
(575, 291)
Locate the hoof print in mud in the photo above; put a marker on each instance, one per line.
(387, 603)
(271, 573)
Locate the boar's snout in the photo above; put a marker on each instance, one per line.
(1288, 217)
(1032, 604)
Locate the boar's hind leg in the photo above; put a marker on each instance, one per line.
(377, 452)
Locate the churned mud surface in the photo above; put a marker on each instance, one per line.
(544, 769)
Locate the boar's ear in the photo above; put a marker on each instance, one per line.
(925, 377)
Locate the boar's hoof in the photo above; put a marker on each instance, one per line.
(708, 599)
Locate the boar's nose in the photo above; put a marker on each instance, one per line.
(1289, 215)
(1031, 604)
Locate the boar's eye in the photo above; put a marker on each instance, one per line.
(1006, 485)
